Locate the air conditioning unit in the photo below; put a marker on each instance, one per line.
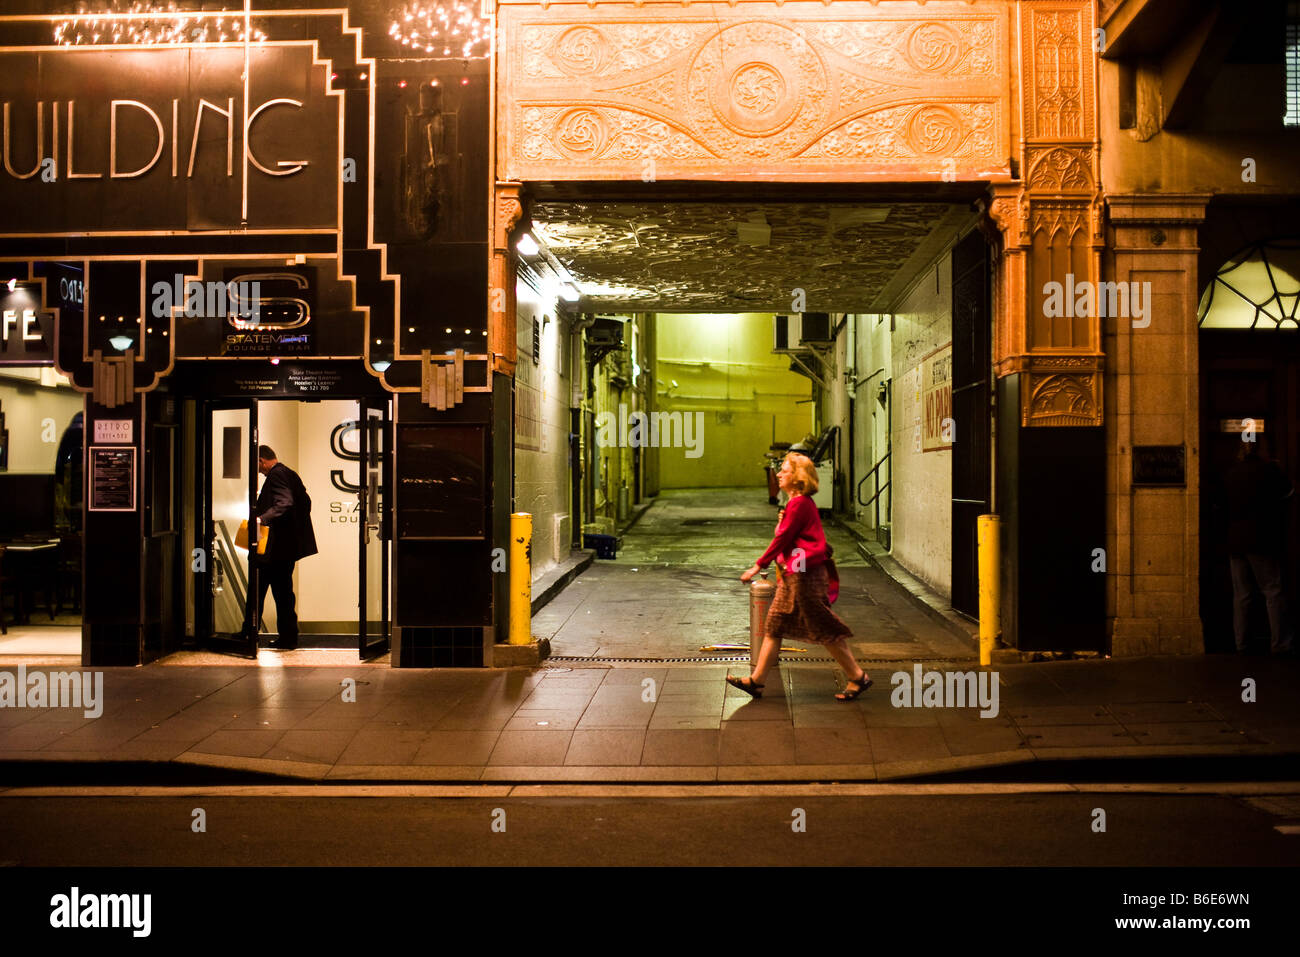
(785, 333)
(606, 332)
(815, 327)
(800, 330)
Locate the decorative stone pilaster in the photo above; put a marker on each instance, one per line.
(1153, 533)
(507, 209)
(1051, 225)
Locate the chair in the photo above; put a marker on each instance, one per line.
(69, 574)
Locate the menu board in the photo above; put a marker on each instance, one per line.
(112, 478)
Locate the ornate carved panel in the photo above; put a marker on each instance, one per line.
(754, 91)
(508, 211)
(1052, 223)
(1058, 79)
(1061, 169)
(1061, 399)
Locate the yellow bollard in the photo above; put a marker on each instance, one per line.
(990, 559)
(521, 578)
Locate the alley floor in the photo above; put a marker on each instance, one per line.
(675, 589)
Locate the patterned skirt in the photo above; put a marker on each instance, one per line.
(801, 611)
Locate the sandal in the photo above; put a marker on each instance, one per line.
(863, 685)
(746, 685)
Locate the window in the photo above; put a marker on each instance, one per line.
(1259, 288)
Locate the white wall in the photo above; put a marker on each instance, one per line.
(922, 481)
(327, 581)
(37, 405)
(871, 424)
(542, 394)
(746, 397)
(229, 508)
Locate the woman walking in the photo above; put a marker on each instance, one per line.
(801, 607)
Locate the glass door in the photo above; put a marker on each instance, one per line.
(227, 612)
(374, 527)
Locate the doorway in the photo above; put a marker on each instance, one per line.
(1245, 374)
(340, 448)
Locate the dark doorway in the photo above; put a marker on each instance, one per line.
(971, 362)
(1247, 373)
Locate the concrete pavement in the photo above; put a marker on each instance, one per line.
(630, 697)
(641, 722)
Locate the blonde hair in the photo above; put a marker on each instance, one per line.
(803, 471)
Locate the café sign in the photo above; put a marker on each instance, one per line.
(26, 331)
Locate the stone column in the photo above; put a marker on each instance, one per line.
(1152, 399)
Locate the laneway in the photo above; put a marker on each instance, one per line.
(675, 588)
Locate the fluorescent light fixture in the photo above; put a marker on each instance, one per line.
(569, 292)
(121, 343)
(527, 245)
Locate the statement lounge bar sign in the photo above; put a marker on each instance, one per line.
(113, 140)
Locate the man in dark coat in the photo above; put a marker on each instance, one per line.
(284, 507)
(1258, 491)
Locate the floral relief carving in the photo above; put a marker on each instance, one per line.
(951, 47)
(818, 91)
(959, 131)
(551, 51)
(1062, 399)
(1061, 170)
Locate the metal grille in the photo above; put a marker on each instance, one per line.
(1292, 117)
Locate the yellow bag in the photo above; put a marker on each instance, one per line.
(241, 537)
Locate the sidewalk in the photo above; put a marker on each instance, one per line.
(593, 723)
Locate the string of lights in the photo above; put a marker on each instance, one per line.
(451, 27)
(141, 23)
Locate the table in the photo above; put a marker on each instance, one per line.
(25, 564)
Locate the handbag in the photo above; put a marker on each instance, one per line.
(263, 535)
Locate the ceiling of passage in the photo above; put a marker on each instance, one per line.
(711, 257)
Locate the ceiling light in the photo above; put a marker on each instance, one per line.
(380, 366)
(569, 292)
(527, 245)
(121, 343)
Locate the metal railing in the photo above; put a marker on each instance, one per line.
(875, 498)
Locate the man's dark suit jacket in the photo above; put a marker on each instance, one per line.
(284, 506)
